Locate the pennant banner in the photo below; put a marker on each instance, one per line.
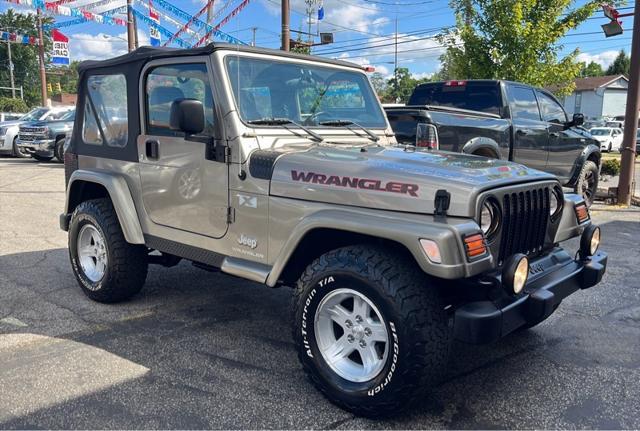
(196, 22)
(154, 34)
(70, 11)
(18, 38)
(60, 52)
(121, 9)
(193, 18)
(163, 31)
(225, 20)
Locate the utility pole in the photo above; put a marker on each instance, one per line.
(43, 74)
(13, 83)
(631, 116)
(131, 27)
(210, 16)
(253, 38)
(395, 61)
(285, 25)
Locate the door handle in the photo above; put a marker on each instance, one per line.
(152, 149)
(521, 132)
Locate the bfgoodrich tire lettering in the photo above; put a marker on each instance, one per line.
(126, 264)
(416, 324)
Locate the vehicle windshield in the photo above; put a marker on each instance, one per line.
(34, 114)
(600, 132)
(308, 94)
(483, 96)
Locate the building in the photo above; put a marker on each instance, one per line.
(598, 96)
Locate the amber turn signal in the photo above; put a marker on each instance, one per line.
(475, 245)
(582, 213)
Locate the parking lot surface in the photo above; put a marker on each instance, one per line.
(205, 350)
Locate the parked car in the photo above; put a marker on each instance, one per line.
(503, 120)
(44, 140)
(295, 179)
(610, 138)
(9, 130)
(9, 116)
(616, 124)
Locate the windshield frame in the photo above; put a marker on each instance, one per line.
(310, 63)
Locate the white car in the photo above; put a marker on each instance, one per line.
(9, 129)
(610, 138)
(9, 116)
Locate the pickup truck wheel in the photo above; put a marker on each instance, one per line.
(587, 184)
(59, 150)
(370, 332)
(107, 267)
(19, 152)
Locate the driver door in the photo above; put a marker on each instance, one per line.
(180, 188)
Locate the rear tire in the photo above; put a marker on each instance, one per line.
(363, 378)
(587, 183)
(107, 267)
(41, 158)
(19, 152)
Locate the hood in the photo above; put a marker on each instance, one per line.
(11, 123)
(393, 178)
(53, 123)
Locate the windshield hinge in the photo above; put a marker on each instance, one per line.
(231, 215)
(223, 153)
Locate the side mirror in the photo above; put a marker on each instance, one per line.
(578, 120)
(187, 115)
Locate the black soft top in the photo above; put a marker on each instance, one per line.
(147, 53)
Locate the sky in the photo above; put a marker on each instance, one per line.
(363, 30)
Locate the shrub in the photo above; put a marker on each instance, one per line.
(610, 167)
(8, 104)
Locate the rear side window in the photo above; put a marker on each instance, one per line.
(523, 103)
(551, 110)
(474, 96)
(105, 111)
(166, 84)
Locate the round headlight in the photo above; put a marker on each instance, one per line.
(486, 218)
(554, 202)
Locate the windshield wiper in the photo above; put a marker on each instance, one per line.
(275, 121)
(347, 123)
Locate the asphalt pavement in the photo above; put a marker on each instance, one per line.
(205, 350)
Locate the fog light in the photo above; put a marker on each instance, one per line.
(590, 240)
(516, 272)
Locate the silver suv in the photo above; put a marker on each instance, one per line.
(282, 169)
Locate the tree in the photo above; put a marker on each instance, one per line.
(591, 69)
(401, 85)
(620, 65)
(24, 57)
(515, 40)
(379, 84)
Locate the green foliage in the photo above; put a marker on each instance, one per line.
(400, 86)
(515, 40)
(620, 65)
(591, 69)
(24, 57)
(8, 104)
(610, 167)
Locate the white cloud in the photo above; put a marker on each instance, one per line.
(604, 59)
(84, 46)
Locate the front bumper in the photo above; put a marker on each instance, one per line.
(482, 322)
(42, 147)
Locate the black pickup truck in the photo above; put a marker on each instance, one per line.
(501, 119)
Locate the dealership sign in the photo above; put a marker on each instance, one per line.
(154, 33)
(60, 53)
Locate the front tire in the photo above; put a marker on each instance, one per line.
(59, 150)
(107, 267)
(371, 332)
(587, 183)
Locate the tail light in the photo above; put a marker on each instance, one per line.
(455, 83)
(427, 136)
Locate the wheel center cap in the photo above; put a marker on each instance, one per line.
(358, 332)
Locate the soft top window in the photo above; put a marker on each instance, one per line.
(105, 111)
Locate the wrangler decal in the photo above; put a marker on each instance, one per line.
(356, 183)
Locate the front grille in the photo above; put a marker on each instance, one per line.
(525, 217)
(32, 130)
(29, 138)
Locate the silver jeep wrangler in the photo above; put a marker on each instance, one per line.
(282, 169)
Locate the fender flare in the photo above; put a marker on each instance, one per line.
(405, 232)
(475, 144)
(588, 151)
(120, 194)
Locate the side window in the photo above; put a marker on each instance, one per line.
(551, 110)
(165, 84)
(105, 111)
(523, 103)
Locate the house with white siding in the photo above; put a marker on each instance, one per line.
(598, 96)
